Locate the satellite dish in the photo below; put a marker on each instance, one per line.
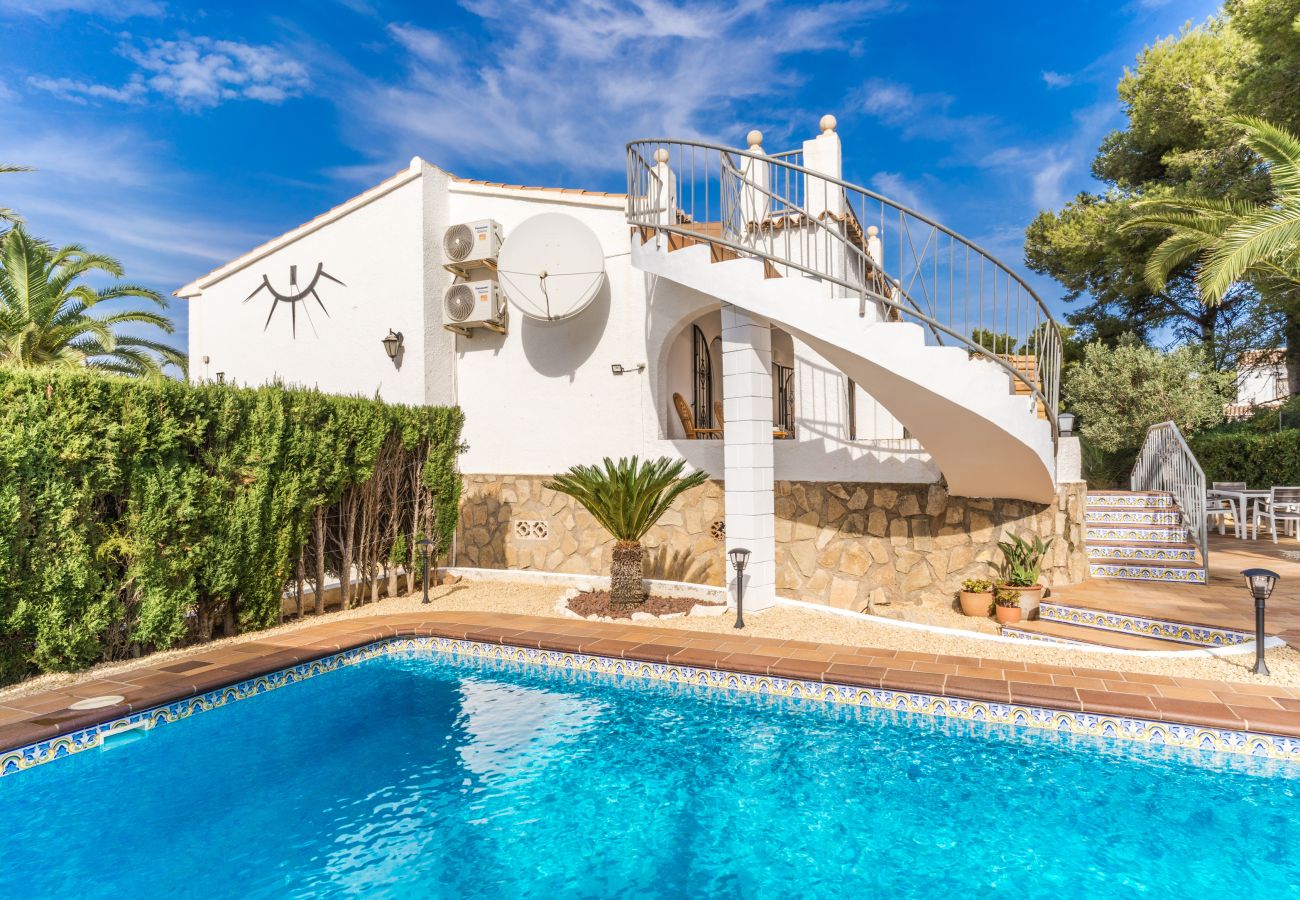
(551, 267)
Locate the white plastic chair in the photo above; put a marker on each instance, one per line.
(1222, 507)
(1282, 505)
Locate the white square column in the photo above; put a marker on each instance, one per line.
(747, 456)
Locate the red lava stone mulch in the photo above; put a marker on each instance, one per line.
(597, 603)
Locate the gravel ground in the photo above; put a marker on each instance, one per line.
(785, 623)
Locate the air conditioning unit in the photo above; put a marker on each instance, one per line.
(473, 304)
(472, 242)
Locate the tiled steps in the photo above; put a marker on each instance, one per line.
(1139, 536)
(1063, 633)
(1062, 624)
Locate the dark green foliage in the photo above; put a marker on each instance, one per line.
(627, 497)
(139, 514)
(1260, 460)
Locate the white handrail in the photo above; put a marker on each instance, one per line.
(1167, 464)
(768, 207)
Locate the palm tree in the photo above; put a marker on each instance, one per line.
(6, 214)
(627, 498)
(1234, 240)
(46, 314)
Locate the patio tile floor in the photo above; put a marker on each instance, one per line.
(1264, 708)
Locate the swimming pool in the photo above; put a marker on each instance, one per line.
(429, 775)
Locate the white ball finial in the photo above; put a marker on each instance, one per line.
(661, 155)
(872, 231)
(755, 138)
(828, 123)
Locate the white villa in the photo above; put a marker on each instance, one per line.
(803, 340)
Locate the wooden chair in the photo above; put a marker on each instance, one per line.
(1282, 505)
(688, 421)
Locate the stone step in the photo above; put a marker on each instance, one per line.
(1111, 515)
(1187, 633)
(1098, 533)
(1163, 571)
(1132, 499)
(1138, 551)
(1062, 633)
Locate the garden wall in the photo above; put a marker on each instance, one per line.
(846, 544)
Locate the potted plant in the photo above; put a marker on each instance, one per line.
(1006, 606)
(1022, 563)
(977, 597)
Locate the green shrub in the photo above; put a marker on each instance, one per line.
(1260, 460)
(140, 514)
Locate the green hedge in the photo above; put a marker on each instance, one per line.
(140, 514)
(1260, 460)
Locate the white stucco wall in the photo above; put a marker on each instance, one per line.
(377, 251)
(542, 396)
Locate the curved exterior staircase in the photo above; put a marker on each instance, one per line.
(953, 343)
(781, 238)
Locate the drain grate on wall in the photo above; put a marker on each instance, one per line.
(718, 529)
(532, 529)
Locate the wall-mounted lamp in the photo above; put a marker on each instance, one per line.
(1065, 422)
(623, 370)
(392, 343)
(221, 378)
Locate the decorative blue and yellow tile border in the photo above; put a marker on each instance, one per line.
(1171, 533)
(1137, 571)
(1193, 737)
(1147, 552)
(1132, 501)
(1133, 517)
(1126, 623)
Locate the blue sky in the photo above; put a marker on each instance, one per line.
(176, 136)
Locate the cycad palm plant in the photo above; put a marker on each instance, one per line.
(1232, 240)
(627, 498)
(46, 316)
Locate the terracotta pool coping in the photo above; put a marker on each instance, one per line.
(1266, 709)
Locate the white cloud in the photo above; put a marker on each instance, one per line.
(568, 81)
(82, 91)
(1057, 79)
(195, 72)
(113, 191)
(115, 9)
(897, 188)
(925, 115)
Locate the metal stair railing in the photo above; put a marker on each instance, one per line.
(796, 219)
(1167, 464)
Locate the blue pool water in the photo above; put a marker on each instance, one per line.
(426, 776)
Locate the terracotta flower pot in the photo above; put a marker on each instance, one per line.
(973, 604)
(1007, 614)
(1029, 598)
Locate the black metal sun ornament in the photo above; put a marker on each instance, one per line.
(294, 294)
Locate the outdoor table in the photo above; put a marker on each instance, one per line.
(1239, 500)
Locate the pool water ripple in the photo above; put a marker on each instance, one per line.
(415, 775)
